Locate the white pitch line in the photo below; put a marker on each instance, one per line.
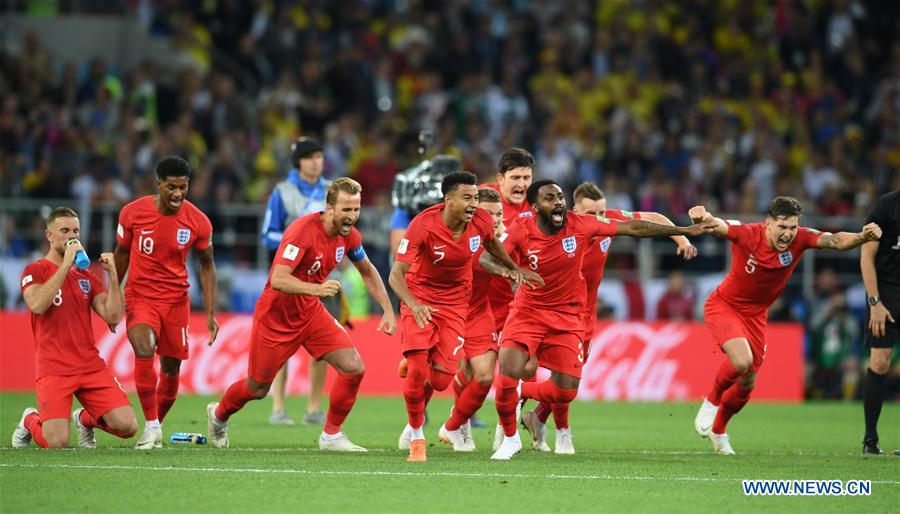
(389, 473)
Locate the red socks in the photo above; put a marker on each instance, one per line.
(145, 383)
(733, 401)
(341, 400)
(547, 391)
(166, 392)
(561, 415)
(467, 404)
(234, 399)
(33, 424)
(414, 391)
(506, 400)
(726, 376)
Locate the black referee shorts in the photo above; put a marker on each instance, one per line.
(890, 297)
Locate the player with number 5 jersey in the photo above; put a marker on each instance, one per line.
(763, 257)
(154, 235)
(432, 276)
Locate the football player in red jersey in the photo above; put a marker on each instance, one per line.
(60, 297)
(547, 321)
(589, 200)
(432, 276)
(155, 234)
(763, 257)
(473, 380)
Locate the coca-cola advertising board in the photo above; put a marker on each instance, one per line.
(628, 361)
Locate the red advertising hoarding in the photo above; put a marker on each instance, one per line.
(629, 360)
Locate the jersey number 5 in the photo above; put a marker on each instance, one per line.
(750, 267)
(146, 244)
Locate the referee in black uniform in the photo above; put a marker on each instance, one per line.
(880, 266)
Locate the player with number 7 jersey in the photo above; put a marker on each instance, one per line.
(763, 257)
(154, 235)
(432, 276)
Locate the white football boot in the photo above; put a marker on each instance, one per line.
(510, 446)
(454, 437)
(86, 437)
(150, 439)
(498, 437)
(721, 444)
(338, 443)
(216, 431)
(703, 422)
(467, 434)
(21, 437)
(564, 444)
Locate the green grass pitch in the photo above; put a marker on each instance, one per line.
(631, 457)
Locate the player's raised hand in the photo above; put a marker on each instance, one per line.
(698, 229)
(388, 323)
(871, 232)
(108, 263)
(698, 213)
(212, 326)
(422, 313)
(329, 288)
(686, 251)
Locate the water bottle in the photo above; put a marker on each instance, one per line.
(187, 438)
(81, 259)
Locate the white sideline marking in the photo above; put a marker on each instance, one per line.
(387, 473)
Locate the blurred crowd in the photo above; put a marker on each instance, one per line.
(663, 103)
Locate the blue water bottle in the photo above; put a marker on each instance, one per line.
(81, 258)
(187, 438)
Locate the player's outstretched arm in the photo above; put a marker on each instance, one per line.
(641, 228)
(397, 280)
(375, 286)
(208, 286)
(699, 214)
(685, 249)
(110, 305)
(39, 297)
(844, 241)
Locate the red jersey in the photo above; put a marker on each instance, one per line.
(500, 294)
(557, 259)
(156, 271)
(759, 273)
(595, 260)
(312, 255)
(481, 285)
(441, 266)
(63, 337)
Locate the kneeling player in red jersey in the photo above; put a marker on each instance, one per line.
(589, 200)
(433, 277)
(547, 321)
(60, 298)
(289, 315)
(763, 257)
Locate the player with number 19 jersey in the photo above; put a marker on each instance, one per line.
(156, 292)
(440, 275)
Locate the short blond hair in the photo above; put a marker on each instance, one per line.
(345, 184)
(588, 190)
(60, 212)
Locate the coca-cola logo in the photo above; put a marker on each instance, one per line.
(630, 361)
